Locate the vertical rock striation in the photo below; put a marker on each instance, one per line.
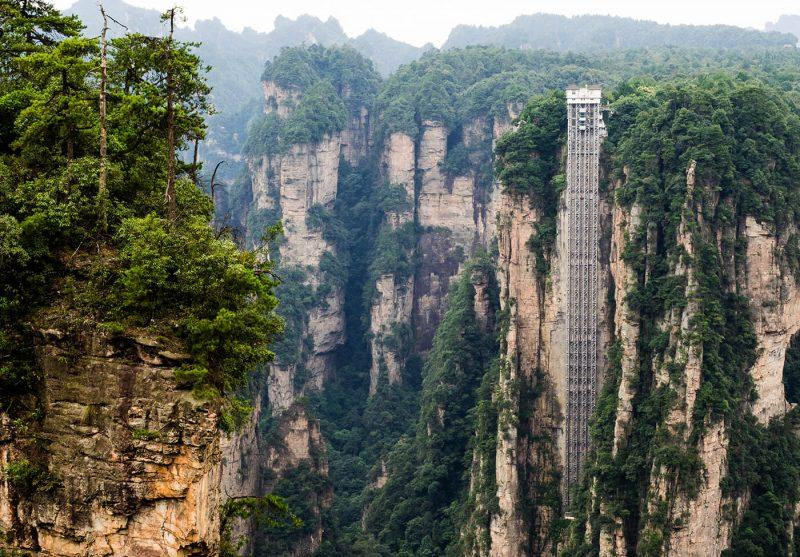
(134, 465)
(392, 303)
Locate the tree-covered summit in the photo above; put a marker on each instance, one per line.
(352, 75)
(330, 85)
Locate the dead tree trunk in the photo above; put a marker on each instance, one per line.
(170, 197)
(102, 190)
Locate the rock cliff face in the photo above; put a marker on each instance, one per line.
(702, 521)
(698, 301)
(301, 444)
(134, 465)
(299, 186)
(455, 215)
(531, 392)
(392, 305)
(775, 306)
(454, 211)
(525, 354)
(290, 186)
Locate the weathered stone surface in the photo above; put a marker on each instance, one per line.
(391, 308)
(292, 184)
(301, 442)
(356, 137)
(279, 100)
(527, 452)
(308, 176)
(775, 306)
(137, 461)
(398, 162)
(393, 301)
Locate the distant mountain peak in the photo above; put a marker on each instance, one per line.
(786, 24)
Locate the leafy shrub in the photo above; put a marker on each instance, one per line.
(28, 478)
(219, 299)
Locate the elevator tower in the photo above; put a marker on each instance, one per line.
(585, 131)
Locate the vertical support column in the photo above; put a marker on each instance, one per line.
(585, 130)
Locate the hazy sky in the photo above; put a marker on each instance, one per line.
(421, 21)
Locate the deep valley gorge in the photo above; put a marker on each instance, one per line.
(343, 331)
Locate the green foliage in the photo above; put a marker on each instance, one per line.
(456, 162)
(528, 159)
(791, 371)
(300, 488)
(180, 279)
(448, 86)
(765, 464)
(270, 511)
(528, 164)
(321, 111)
(350, 74)
(27, 478)
(264, 136)
(418, 511)
(223, 296)
(391, 255)
(146, 435)
(474, 517)
(330, 83)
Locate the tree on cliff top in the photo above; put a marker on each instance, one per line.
(176, 276)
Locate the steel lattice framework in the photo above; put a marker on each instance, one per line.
(585, 130)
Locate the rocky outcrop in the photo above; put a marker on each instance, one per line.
(133, 465)
(701, 521)
(279, 100)
(299, 442)
(357, 137)
(775, 306)
(626, 325)
(391, 310)
(626, 333)
(292, 186)
(527, 456)
(393, 300)
(299, 186)
(455, 213)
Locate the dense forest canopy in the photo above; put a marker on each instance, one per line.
(453, 86)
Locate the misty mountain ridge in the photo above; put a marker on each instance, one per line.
(387, 53)
(600, 32)
(786, 24)
(237, 58)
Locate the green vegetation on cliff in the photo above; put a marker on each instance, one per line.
(464, 90)
(331, 84)
(529, 164)
(419, 510)
(118, 261)
(744, 140)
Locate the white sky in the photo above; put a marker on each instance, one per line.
(421, 21)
